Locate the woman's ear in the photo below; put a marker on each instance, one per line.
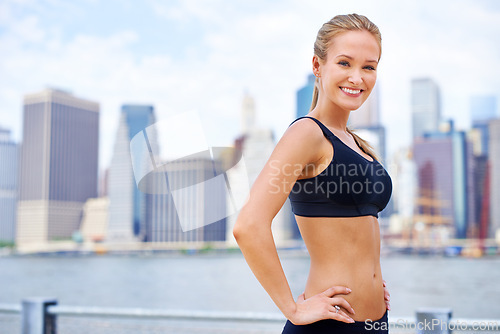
(316, 66)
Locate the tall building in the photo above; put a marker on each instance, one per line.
(59, 161)
(197, 213)
(494, 184)
(255, 146)
(445, 181)
(403, 196)
(8, 186)
(482, 110)
(304, 96)
(127, 204)
(426, 106)
(183, 182)
(482, 198)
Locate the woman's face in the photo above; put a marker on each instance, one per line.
(349, 72)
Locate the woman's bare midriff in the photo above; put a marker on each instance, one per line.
(346, 251)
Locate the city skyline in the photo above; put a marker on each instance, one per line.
(257, 143)
(203, 56)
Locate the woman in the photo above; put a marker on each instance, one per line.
(336, 188)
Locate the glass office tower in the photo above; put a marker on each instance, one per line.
(59, 165)
(127, 206)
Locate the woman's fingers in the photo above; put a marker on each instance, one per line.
(343, 303)
(340, 315)
(387, 301)
(339, 290)
(387, 296)
(336, 290)
(326, 305)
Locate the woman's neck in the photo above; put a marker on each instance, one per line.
(331, 115)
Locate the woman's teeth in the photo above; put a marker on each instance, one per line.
(351, 91)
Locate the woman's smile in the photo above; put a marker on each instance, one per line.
(351, 92)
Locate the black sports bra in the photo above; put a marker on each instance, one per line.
(351, 186)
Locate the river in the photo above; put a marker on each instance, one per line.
(223, 282)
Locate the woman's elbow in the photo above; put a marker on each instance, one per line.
(241, 228)
(245, 225)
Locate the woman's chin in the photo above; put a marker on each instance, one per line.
(352, 107)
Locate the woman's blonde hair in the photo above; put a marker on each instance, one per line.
(337, 25)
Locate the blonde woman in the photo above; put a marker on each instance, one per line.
(336, 188)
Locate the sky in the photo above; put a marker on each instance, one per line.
(203, 56)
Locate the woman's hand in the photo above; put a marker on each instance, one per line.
(322, 306)
(387, 297)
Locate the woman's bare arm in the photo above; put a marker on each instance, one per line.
(299, 147)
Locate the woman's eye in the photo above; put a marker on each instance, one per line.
(371, 68)
(343, 63)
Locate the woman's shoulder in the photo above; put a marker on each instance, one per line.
(305, 128)
(304, 137)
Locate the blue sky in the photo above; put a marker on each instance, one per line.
(203, 55)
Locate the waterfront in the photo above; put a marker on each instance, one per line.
(223, 282)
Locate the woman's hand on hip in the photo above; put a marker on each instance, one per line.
(322, 306)
(387, 297)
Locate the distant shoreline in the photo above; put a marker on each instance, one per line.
(296, 249)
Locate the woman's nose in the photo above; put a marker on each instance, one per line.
(355, 78)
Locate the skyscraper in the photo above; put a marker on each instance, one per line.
(426, 106)
(8, 186)
(403, 196)
(188, 217)
(304, 96)
(482, 110)
(494, 186)
(59, 161)
(127, 206)
(255, 146)
(445, 181)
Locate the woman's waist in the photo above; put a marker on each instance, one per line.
(366, 275)
(367, 295)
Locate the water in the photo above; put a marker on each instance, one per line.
(470, 287)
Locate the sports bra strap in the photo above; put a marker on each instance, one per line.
(325, 130)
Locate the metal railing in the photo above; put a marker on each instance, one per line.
(45, 316)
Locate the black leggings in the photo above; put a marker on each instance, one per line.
(330, 326)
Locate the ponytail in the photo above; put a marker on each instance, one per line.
(363, 144)
(315, 95)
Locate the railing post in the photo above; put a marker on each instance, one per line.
(433, 321)
(34, 316)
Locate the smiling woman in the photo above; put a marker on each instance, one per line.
(336, 207)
